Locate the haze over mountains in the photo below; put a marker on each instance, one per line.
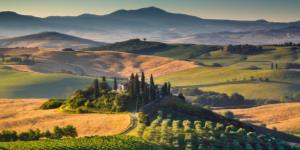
(49, 40)
(151, 23)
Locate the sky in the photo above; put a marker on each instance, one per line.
(271, 10)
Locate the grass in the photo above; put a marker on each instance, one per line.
(237, 68)
(15, 84)
(87, 143)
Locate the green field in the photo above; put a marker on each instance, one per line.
(87, 143)
(236, 73)
(15, 84)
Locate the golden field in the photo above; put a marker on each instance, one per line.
(24, 114)
(285, 117)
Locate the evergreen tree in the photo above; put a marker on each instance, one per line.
(143, 89)
(151, 89)
(169, 88)
(96, 89)
(137, 91)
(131, 88)
(115, 84)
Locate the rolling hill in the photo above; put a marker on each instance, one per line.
(236, 70)
(176, 51)
(285, 117)
(48, 40)
(151, 22)
(15, 84)
(257, 37)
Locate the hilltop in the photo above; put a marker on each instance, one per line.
(48, 40)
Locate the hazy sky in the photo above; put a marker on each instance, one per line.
(272, 10)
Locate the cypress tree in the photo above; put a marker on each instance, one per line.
(96, 88)
(143, 89)
(131, 88)
(137, 90)
(152, 89)
(115, 84)
(169, 88)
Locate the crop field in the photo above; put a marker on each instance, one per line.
(87, 143)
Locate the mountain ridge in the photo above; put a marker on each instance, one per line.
(151, 22)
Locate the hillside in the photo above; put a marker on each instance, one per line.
(176, 51)
(15, 84)
(24, 114)
(228, 72)
(285, 117)
(150, 22)
(257, 37)
(97, 63)
(48, 40)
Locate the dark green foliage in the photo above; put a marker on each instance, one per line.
(152, 93)
(133, 45)
(180, 95)
(53, 103)
(244, 49)
(96, 89)
(84, 143)
(115, 84)
(6, 136)
(228, 114)
(217, 99)
(32, 135)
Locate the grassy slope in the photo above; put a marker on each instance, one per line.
(15, 84)
(285, 117)
(286, 81)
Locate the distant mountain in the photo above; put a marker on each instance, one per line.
(49, 40)
(258, 37)
(151, 23)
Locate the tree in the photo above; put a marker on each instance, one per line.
(143, 89)
(115, 84)
(131, 87)
(152, 89)
(96, 89)
(137, 90)
(180, 95)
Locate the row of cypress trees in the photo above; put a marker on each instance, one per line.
(142, 92)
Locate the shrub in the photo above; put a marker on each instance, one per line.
(228, 114)
(53, 103)
(6, 136)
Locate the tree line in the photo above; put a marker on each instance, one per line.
(31, 135)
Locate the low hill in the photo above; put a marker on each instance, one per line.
(258, 37)
(49, 40)
(177, 51)
(24, 114)
(16, 84)
(97, 63)
(285, 117)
